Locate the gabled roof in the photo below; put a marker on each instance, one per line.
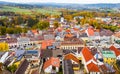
(19, 52)
(52, 61)
(68, 30)
(105, 32)
(69, 35)
(70, 56)
(117, 34)
(87, 54)
(72, 41)
(3, 58)
(90, 32)
(59, 29)
(103, 68)
(108, 54)
(46, 43)
(76, 29)
(35, 31)
(22, 68)
(93, 67)
(46, 53)
(68, 67)
(117, 52)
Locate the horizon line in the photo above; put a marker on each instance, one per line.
(56, 2)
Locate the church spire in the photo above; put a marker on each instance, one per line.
(61, 14)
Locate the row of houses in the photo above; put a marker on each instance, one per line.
(99, 63)
(94, 50)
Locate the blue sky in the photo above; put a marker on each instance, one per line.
(66, 1)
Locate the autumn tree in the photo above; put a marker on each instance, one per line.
(1, 65)
(56, 24)
(42, 25)
(2, 30)
(83, 21)
(12, 68)
(19, 20)
(3, 46)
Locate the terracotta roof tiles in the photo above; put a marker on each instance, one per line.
(89, 55)
(117, 52)
(117, 34)
(46, 43)
(90, 32)
(93, 67)
(52, 61)
(70, 56)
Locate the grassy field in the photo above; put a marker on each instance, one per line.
(29, 11)
(46, 11)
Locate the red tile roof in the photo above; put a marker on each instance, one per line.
(87, 54)
(76, 29)
(90, 32)
(103, 68)
(68, 30)
(69, 35)
(35, 31)
(46, 43)
(93, 67)
(117, 34)
(72, 41)
(70, 56)
(59, 29)
(117, 52)
(52, 61)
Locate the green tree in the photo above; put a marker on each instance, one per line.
(10, 30)
(42, 25)
(12, 68)
(31, 21)
(19, 20)
(2, 30)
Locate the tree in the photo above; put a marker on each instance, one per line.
(12, 68)
(83, 21)
(68, 17)
(18, 30)
(1, 65)
(19, 20)
(31, 21)
(10, 30)
(2, 30)
(1, 23)
(42, 25)
(56, 24)
(3, 46)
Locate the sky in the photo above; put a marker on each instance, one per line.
(66, 1)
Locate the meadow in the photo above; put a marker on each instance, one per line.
(29, 11)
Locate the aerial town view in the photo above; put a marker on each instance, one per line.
(59, 36)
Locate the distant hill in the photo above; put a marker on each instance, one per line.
(117, 5)
(63, 5)
(77, 6)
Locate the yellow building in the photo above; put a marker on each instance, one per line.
(109, 57)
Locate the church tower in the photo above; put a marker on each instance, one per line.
(62, 18)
